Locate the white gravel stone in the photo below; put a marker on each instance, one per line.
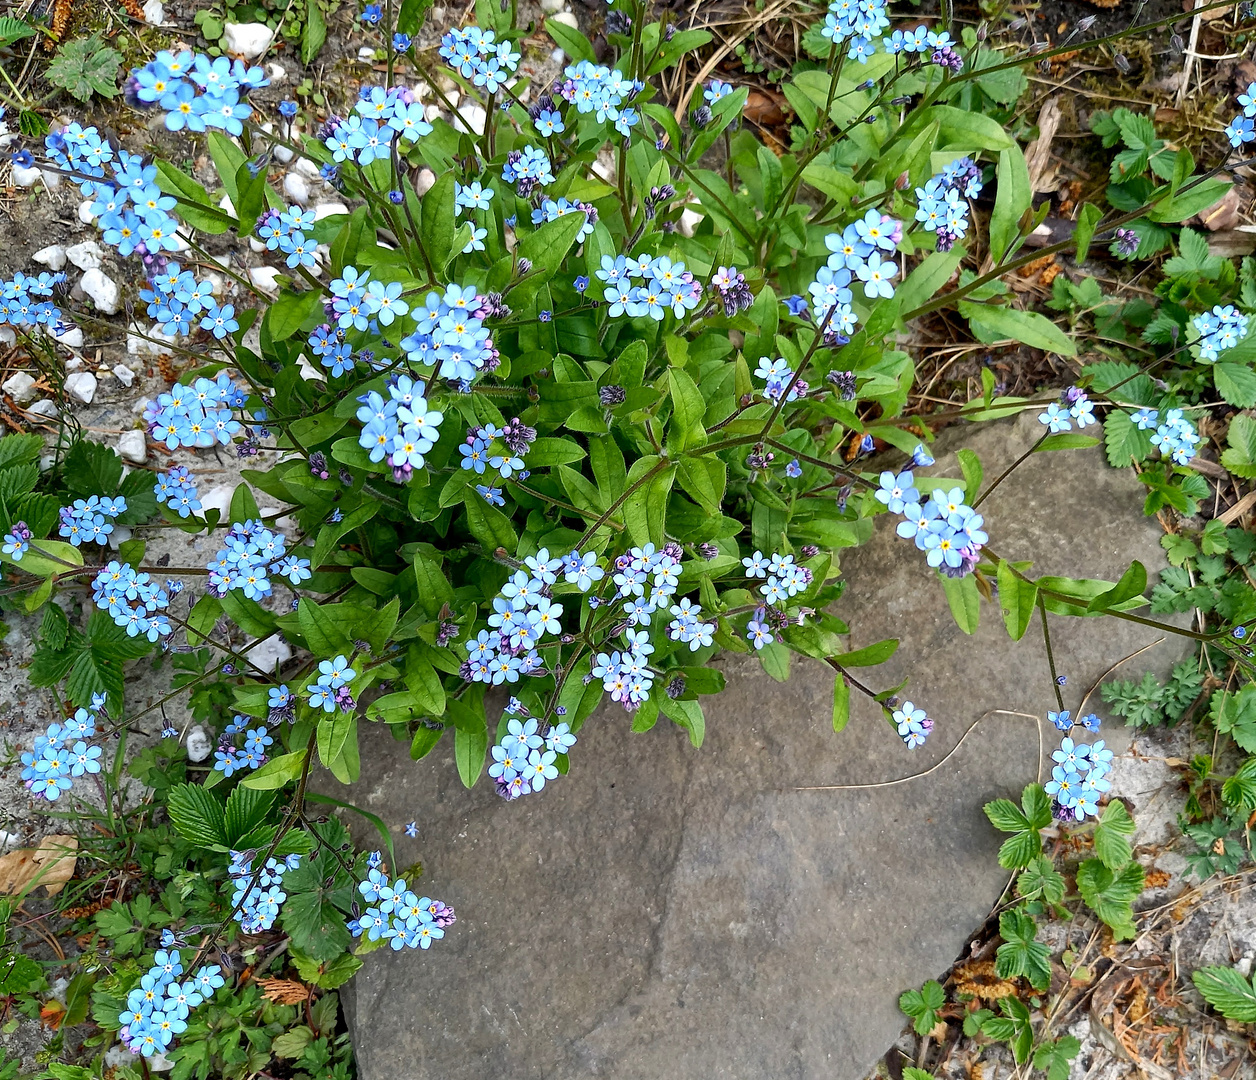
(296, 188)
(424, 181)
(85, 212)
(283, 155)
(24, 177)
(124, 374)
(552, 7)
(265, 278)
(7, 336)
(20, 387)
(138, 345)
(249, 40)
(133, 447)
(53, 257)
(81, 386)
(86, 256)
(307, 168)
(199, 744)
(154, 13)
(74, 363)
(688, 222)
(256, 246)
(366, 54)
(71, 339)
(472, 116)
(431, 112)
(121, 533)
(45, 407)
(276, 72)
(103, 290)
(558, 56)
(330, 209)
(266, 654)
(139, 407)
(308, 372)
(218, 498)
(566, 18)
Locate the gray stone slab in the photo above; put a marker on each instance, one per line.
(666, 912)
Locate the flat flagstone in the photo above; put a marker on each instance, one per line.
(670, 912)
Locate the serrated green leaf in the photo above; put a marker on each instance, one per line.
(1112, 831)
(1228, 992)
(85, 66)
(197, 815)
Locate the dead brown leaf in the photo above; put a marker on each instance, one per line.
(977, 977)
(284, 991)
(50, 865)
(763, 109)
(1038, 152)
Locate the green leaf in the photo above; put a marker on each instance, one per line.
(1055, 1057)
(1024, 822)
(688, 715)
(1233, 996)
(841, 703)
(1236, 383)
(571, 41)
(470, 746)
(1240, 458)
(966, 130)
(922, 1005)
(1110, 895)
(1021, 954)
(325, 628)
(84, 66)
(1112, 831)
(970, 464)
(1066, 440)
(1012, 198)
(246, 810)
(1041, 880)
(327, 975)
(1133, 583)
(964, 601)
(1017, 599)
(315, 33)
(688, 409)
(291, 312)
(436, 231)
(58, 555)
(869, 655)
(197, 815)
(13, 30)
(1123, 439)
(1087, 218)
(991, 324)
(277, 772)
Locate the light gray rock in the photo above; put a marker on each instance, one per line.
(724, 912)
(103, 290)
(20, 387)
(133, 447)
(81, 386)
(86, 256)
(248, 40)
(52, 256)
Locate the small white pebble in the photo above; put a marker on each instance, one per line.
(307, 168)
(124, 374)
(366, 54)
(249, 40)
(86, 256)
(24, 177)
(331, 209)
(199, 745)
(20, 387)
(154, 13)
(103, 290)
(424, 181)
(81, 386)
(265, 278)
(85, 212)
(276, 72)
(558, 56)
(567, 19)
(53, 257)
(46, 407)
(139, 407)
(71, 339)
(133, 447)
(296, 188)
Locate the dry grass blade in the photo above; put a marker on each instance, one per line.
(50, 865)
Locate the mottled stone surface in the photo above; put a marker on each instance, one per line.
(666, 912)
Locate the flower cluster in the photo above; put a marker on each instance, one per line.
(396, 914)
(942, 526)
(477, 55)
(17, 542)
(860, 23)
(665, 286)
(331, 691)
(177, 490)
(402, 427)
(782, 577)
(1242, 129)
(1079, 778)
(85, 520)
(63, 753)
(177, 302)
(594, 88)
(779, 378)
(552, 210)
(730, 286)
(196, 93)
(157, 1010)
(133, 600)
(196, 415)
(527, 169)
(479, 453)
(228, 758)
(451, 332)
(942, 204)
(378, 116)
(1074, 405)
(24, 300)
(1219, 329)
(1176, 438)
(913, 725)
(523, 762)
(258, 894)
(252, 553)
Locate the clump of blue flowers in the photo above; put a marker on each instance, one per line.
(90, 519)
(942, 204)
(229, 758)
(177, 490)
(943, 526)
(396, 914)
(1074, 405)
(157, 1009)
(196, 415)
(133, 600)
(258, 894)
(63, 753)
(1079, 778)
(525, 759)
(1219, 329)
(664, 286)
(24, 301)
(252, 553)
